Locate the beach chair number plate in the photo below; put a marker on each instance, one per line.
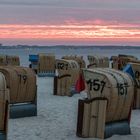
(96, 84)
(62, 66)
(22, 77)
(122, 89)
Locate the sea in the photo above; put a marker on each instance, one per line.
(84, 51)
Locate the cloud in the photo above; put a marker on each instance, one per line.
(83, 4)
(60, 11)
(71, 32)
(43, 15)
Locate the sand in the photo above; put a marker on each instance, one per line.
(57, 118)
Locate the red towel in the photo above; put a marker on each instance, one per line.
(80, 84)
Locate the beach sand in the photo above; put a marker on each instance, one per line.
(57, 118)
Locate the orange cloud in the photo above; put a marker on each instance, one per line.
(69, 31)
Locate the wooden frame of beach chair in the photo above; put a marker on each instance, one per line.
(65, 81)
(107, 109)
(4, 108)
(21, 82)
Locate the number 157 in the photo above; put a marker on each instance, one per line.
(96, 84)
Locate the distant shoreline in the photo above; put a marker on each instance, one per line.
(68, 47)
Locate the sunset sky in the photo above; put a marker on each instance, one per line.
(74, 22)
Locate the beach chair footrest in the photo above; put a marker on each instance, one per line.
(117, 128)
(23, 110)
(2, 135)
(46, 74)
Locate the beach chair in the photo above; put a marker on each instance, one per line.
(13, 60)
(46, 65)
(21, 82)
(33, 62)
(3, 60)
(120, 61)
(67, 75)
(107, 109)
(134, 70)
(4, 108)
(78, 59)
(98, 61)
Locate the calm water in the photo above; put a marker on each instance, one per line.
(24, 53)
